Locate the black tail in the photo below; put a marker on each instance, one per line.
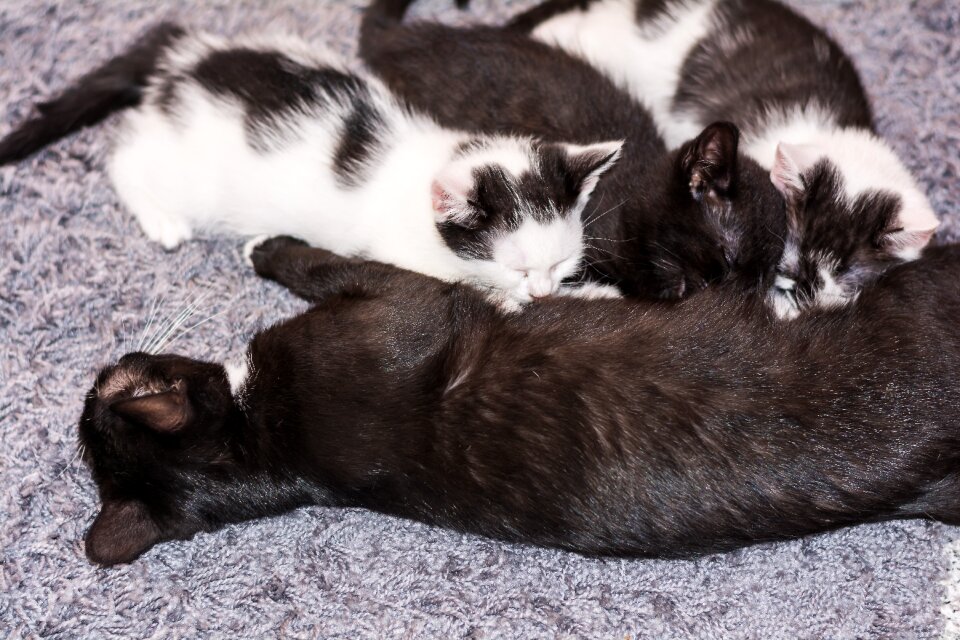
(116, 85)
(378, 17)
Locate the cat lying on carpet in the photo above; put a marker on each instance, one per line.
(853, 210)
(261, 136)
(610, 427)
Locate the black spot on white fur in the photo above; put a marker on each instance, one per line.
(273, 87)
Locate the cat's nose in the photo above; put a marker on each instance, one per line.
(541, 288)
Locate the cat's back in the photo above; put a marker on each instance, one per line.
(762, 60)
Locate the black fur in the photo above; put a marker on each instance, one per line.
(602, 427)
(651, 235)
(787, 63)
(116, 85)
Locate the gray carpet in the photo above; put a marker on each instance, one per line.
(78, 282)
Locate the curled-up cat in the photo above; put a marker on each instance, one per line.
(598, 426)
(705, 213)
(791, 89)
(270, 136)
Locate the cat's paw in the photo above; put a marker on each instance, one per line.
(261, 251)
(169, 232)
(251, 245)
(591, 291)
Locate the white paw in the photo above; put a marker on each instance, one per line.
(169, 232)
(252, 244)
(591, 291)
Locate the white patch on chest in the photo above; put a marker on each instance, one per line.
(237, 374)
(645, 61)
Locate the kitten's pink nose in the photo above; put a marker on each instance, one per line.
(541, 288)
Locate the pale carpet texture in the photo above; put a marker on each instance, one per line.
(78, 280)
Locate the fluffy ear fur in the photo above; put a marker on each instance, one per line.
(710, 160)
(907, 244)
(122, 531)
(451, 191)
(586, 163)
(789, 165)
(165, 411)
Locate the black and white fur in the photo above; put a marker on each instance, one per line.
(779, 78)
(269, 135)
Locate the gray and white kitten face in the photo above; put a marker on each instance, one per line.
(512, 208)
(851, 216)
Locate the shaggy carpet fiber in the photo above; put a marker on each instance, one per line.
(79, 286)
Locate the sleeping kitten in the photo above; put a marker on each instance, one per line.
(707, 213)
(602, 427)
(256, 137)
(761, 66)
(659, 225)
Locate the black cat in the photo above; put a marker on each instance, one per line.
(598, 426)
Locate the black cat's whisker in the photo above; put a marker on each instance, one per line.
(611, 209)
(172, 331)
(154, 306)
(165, 329)
(191, 328)
(77, 455)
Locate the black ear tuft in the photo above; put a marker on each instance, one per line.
(122, 531)
(165, 411)
(709, 161)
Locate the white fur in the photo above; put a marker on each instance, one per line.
(591, 291)
(866, 163)
(237, 374)
(533, 260)
(196, 171)
(646, 62)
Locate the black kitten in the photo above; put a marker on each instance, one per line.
(662, 225)
(601, 426)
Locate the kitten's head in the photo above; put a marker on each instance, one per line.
(155, 430)
(512, 207)
(853, 211)
(719, 217)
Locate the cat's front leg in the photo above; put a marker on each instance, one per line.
(590, 291)
(312, 273)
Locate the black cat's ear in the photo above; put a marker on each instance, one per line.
(586, 163)
(165, 411)
(121, 531)
(709, 161)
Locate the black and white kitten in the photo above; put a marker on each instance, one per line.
(704, 212)
(791, 89)
(599, 426)
(256, 136)
(660, 224)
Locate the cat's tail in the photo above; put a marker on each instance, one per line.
(380, 16)
(116, 85)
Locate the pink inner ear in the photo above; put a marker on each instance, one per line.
(440, 199)
(785, 174)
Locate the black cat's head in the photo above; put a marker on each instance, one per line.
(723, 216)
(844, 228)
(156, 431)
(512, 207)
